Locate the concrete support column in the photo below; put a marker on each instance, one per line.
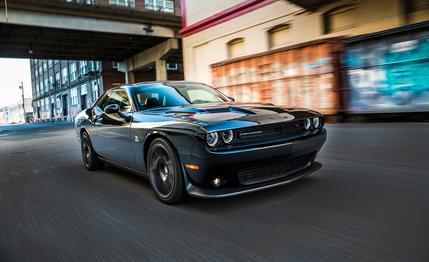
(157, 54)
(161, 70)
(129, 77)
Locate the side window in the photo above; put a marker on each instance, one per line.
(120, 98)
(101, 103)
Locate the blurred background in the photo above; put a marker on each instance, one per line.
(344, 58)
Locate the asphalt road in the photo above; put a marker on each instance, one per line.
(369, 202)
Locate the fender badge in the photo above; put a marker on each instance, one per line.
(136, 139)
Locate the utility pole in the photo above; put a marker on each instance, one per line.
(23, 100)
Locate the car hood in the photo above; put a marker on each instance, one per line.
(228, 115)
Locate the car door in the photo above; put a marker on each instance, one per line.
(113, 130)
(94, 118)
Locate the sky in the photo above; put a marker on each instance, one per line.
(12, 72)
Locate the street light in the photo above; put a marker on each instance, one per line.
(23, 101)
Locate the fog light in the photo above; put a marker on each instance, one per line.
(218, 181)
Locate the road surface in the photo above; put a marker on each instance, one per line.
(369, 202)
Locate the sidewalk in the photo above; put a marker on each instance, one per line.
(20, 127)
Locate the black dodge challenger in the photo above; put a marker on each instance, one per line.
(190, 139)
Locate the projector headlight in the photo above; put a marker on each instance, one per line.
(307, 123)
(316, 122)
(227, 136)
(212, 139)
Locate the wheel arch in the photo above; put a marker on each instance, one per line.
(83, 130)
(151, 137)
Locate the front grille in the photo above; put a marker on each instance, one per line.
(268, 131)
(281, 168)
(258, 132)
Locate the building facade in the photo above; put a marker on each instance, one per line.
(278, 52)
(15, 113)
(61, 89)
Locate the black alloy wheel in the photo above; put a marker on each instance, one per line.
(89, 156)
(165, 173)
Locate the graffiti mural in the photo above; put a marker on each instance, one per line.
(301, 77)
(388, 75)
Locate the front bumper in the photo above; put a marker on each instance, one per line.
(234, 191)
(229, 164)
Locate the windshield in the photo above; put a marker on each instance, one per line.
(175, 94)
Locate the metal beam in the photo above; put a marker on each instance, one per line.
(108, 12)
(311, 5)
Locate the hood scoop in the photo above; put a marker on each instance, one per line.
(210, 110)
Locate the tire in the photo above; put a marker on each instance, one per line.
(165, 172)
(89, 156)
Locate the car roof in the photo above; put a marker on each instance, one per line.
(134, 85)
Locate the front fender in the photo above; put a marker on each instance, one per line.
(182, 140)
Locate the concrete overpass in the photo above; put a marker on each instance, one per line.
(92, 30)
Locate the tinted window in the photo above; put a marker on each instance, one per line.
(101, 103)
(175, 94)
(120, 98)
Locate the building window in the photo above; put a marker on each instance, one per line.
(88, 2)
(339, 18)
(58, 100)
(37, 90)
(235, 47)
(57, 79)
(124, 3)
(45, 85)
(83, 67)
(160, 5)
(83, 90)
(72, 71)
(172, 67)
(50, 63)
(51, 82)
(74, 97)
(46, 103)
(95, 92)
(64, 76)
(279, 36)
(45, 66)
(93, 66)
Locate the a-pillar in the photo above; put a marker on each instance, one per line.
(161, 70)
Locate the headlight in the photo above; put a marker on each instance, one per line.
(316, 122)
(212, 138)
(227, 136)
(307, 123)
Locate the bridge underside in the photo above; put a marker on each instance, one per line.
(311, 4)
(19, 41)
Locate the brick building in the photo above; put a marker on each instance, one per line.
(61, 89)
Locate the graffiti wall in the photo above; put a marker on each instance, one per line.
(299, 77)
(389, 74)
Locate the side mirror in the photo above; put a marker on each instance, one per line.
(111, 109)
(231, 98)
